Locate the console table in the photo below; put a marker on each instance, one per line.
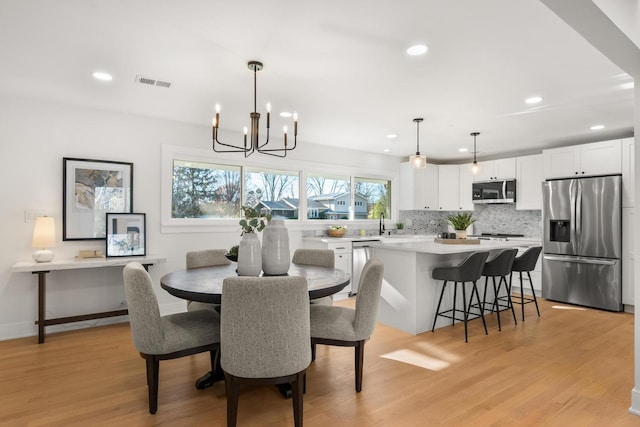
(42, 268)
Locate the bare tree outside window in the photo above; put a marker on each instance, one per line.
(376, 193)
(328, 197)
(273, 192)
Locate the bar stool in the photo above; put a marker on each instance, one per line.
(499, 266)
(525, 263)
(468, 270)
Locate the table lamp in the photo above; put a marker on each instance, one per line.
(44, 236)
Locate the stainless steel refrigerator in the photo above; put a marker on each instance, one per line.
(582, 241)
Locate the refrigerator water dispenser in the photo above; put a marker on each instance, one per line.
(559, 230)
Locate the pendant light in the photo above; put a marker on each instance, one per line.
(418, 161)
(474, 166)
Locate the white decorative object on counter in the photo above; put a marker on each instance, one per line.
(275, 248)
(249, 256)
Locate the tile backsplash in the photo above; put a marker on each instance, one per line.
(494, 218)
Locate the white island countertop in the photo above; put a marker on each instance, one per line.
(431, 247)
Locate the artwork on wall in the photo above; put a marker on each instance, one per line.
(126, 234)
(90, 189)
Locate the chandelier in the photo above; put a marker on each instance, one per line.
(253, 144)
(418, 161)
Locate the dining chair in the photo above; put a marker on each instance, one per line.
(346, 327)
(165, 337)
(320, 257)
(264, 336)
(205, 258)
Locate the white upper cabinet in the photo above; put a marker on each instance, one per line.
(529, 182)
(628, 173)
(598, 158)
(454, 189)
(466, 187)
(418, 187)
(496, 169)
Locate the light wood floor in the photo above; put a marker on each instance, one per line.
(567, 368)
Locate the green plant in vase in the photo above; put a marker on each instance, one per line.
(254, 220)
(460, 222)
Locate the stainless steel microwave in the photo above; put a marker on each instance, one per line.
(497, 191)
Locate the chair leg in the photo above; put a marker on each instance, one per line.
(509, 300)
(521, 296)
(297, 398)
(153, 376)
(359, 355)
(455, 300)
(465, 310)
(533, 292)
(313, 351)
(484, 294)
(495, 302)
(232, 400)
(435, 317)
(475, 288)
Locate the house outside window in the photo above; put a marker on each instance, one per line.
(328, 196)
(375, 197)
(273, 192)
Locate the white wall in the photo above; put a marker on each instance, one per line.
(35, 136)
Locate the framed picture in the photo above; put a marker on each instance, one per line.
(126, 234)
(90, 189)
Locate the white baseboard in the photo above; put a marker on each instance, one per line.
(635, 402)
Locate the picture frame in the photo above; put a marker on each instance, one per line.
(126, 235)
(90, 189)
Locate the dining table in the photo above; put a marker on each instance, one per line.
(204, 284)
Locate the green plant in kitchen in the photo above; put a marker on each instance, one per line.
(400, 226)
(461, 221)
(254, 220)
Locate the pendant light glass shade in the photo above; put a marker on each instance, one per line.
(418, 161)
(474, 166)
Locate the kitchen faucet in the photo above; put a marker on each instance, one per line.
(381, 224)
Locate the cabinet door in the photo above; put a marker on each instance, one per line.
(418, 187)
(601, 158)
(560, 162)
(466, 187)
(628, 256)
(449, 187)
(504, 168)
(485, 171)
(529, 182)
(628, 173)
(430, 187)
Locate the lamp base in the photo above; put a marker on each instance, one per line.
(43, 255)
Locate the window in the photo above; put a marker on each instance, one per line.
(273, 192)
(328, 197)
(372, 198)
(205, 190)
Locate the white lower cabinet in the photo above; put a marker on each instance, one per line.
(343, 257)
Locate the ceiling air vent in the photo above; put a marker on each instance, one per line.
(152, 82)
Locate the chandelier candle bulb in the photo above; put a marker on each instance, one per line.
(295, 124)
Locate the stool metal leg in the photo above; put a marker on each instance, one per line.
(535, 300)
(465, 309)
(509, 301)
(495, 302)
(455, 301)
(444, 286)
(521, 296)
(475, 288)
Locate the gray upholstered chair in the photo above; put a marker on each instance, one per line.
(321, 257)
(499, 266)
(167, 337)
(264, 331)
(343, 326)
(205, 258)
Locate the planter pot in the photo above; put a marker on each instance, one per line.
(249, 256)
(275, 248)
(461, 234)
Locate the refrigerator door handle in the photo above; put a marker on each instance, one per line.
(578, 226)
(573, 190)
(580, 260)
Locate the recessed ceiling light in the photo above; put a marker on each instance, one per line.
(597, 127)
(386, 150)
(418, 49)
(463, 150)
(286, 114)
(533, 100)
(99, 75)
(392, 136)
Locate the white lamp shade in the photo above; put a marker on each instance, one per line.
(44, 233)
(418, 161)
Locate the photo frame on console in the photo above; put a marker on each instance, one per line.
(91, 188)
(126, 235)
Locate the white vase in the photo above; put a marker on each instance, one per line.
(275, 248)
(249, 258)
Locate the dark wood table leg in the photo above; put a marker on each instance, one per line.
(42, 286)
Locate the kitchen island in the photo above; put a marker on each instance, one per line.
(409, 294)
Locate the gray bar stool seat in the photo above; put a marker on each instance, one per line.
(525, 263)
(499, 266)
(469, 270)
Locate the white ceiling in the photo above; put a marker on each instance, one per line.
(342, 65)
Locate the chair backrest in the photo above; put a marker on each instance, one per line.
(527, 261)
(501, 264)
(321, 257)
(264, 326)
(471, 268)
(368, 298)
(144, 314)
(206, 258)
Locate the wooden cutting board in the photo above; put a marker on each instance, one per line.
(458, 241)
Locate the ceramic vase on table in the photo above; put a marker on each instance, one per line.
(249, 256)
(275, 248)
